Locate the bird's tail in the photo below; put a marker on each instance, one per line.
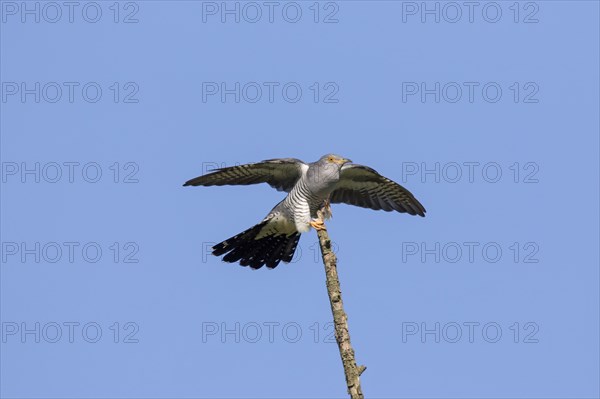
(255, 252)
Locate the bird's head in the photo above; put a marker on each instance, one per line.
(325, 173)
(334, 159)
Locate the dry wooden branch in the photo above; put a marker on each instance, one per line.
(340, 319)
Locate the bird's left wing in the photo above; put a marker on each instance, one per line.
(281, 174)
(362, 186)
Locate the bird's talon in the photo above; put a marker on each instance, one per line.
(318, 225)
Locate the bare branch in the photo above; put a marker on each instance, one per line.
(340, 319)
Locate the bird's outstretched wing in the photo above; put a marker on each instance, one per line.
(281, 174)
(362, 186)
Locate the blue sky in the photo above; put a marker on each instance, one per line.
(488, 115)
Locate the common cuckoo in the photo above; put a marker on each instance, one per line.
(311, 187)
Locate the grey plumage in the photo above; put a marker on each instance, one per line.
(280, 174)
(362, 186)
(310, 187)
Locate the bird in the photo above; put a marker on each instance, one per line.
(310, 187)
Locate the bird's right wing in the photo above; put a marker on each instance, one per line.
(281, 174)
(362, 186)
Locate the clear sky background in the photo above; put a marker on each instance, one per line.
(493, 295)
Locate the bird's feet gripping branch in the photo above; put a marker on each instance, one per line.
(318, 224)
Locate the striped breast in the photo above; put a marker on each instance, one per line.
(301, 202)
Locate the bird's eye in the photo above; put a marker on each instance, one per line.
(330, 159)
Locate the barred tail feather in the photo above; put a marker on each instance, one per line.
(250, 251)
(230, 243)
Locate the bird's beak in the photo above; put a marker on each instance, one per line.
(341, 161)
